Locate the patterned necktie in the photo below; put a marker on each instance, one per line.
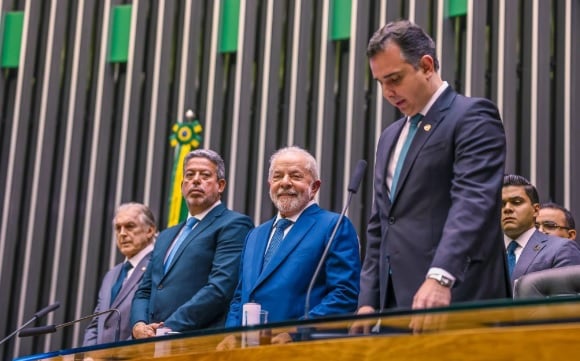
(281, 225)
(192, 221)
(119, 283)
(415, 119)
(511, 256)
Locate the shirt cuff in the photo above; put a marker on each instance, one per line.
(441, 271)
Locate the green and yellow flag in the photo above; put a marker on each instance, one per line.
(185, 137)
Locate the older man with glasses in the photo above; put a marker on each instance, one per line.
(556, 220)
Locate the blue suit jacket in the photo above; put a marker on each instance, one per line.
(199, 284)
(447, 208)
(281, 287)
(543, 252)
(102, 329)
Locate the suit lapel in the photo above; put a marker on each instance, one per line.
(386, 148)
(428, 125)
(132, 281)
(257, 251)
(296, 234)
(536, 243)
(201, 227)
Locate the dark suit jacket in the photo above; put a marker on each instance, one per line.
(281, 287)
(447, 209)
(198, 286)
(543, 252)
(102, 328)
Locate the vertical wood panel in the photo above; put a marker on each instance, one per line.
(78, 135)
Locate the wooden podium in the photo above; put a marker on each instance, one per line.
(501, 330)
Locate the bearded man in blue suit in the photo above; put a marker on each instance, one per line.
(279, 280)
(433, 234)
(193, 271)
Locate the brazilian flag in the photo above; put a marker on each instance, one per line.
(185, 137)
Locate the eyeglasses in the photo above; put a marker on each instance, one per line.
(550, 226)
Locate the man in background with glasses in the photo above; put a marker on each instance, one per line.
(527, 249)
(556, 220)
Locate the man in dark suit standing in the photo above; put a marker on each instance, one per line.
(529, 250)
(433, 233)
(135, 229)
(194, 267)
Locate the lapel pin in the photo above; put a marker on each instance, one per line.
(143, 268)
(427, 127)
(537, 247)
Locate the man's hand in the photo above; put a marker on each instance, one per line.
(363, 326)
(143, 330)
(430, 295)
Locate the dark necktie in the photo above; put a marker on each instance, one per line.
(186, 231)
(119, 283)
(281, 225)
(511, 256)
(415, 119)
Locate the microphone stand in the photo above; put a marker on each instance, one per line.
(352, 189)
(35, 331)
(36, 316)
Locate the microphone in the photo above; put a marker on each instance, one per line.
(35, 331)
(352, 189)
(36, 316)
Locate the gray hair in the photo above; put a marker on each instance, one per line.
(311, 164)
(210, 155)
(145, 214)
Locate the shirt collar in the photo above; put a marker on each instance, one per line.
(522, 240)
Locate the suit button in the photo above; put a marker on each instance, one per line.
(391, 220)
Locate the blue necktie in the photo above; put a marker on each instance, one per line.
(415, 119)
(186, 231)
(511, 256)
(119, 283)
(281, 225)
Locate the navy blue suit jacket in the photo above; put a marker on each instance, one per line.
(543, 252)
(281, 286)
(199, 284)
(447, 208)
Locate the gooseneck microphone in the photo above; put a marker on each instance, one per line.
(352, 189)
(35, 331)
(36, 316)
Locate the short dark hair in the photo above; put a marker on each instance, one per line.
(210, 155)
(569, 217)
(411, 38)
(519, 181)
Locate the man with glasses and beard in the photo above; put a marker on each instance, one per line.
(276, 274)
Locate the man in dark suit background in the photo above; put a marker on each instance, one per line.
(135, 229)
(528, 249)
(433, 234)
(194, 269)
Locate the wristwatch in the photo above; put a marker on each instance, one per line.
(443, 280)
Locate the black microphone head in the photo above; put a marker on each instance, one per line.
(35, 331)
(47, 309)
(357, 176)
